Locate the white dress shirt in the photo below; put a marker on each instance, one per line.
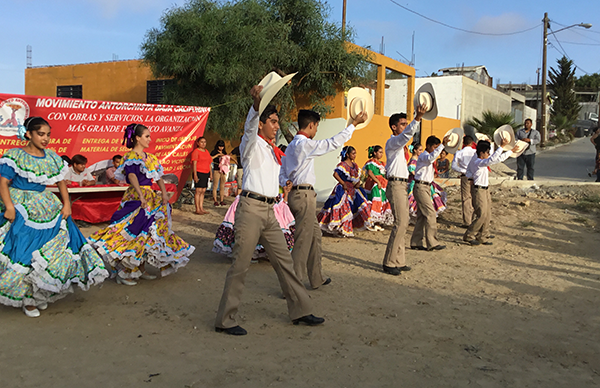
(424, 170)
(478, 168)
(394, 151)
(298, 164)
(462, 158)
(261, 169)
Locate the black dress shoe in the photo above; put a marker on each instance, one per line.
(236, 330)
(488, 243)
(391, 270)
(491, 236)
(326, 282)
(436, 248)
(474, 242)
(418, 247)
(309, 320)
(405, 268)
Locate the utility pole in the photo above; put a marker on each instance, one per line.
(544, 72)
(344, 20)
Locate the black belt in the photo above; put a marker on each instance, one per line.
(422, 182)
(302, 187)
(394, 179)
(261, 198)
(461, 175)
(481, 187)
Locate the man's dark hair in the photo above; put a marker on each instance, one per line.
(483, 146)
(269, 110)
(467, 140)
(531, 121)
(305, 117)
(395, 118)
(79, 159)
(432, 141)
(116, 157)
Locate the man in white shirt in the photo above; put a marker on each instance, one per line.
(459, 164)
(78, 173)
(479, 230)
(255, 220)
(426, 225)
(394, 261)
(298, 171)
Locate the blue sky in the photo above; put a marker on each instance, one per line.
(68, 31)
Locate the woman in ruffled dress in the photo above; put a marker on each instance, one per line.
(375, 185)
(438, 195)
(140, 230)
(347, 208)
(42, 252)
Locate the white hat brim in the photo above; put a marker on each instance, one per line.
(522, 147)
(459, 131)
(365, 97)
(501, 132)
(269, 91)
(433, 111)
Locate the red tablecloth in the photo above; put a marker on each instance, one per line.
(98, 206)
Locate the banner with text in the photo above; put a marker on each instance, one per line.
(94, 129)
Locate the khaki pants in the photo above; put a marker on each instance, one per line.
(426, 225)
(255, 222)
(398, 197)
(219, 180)
(480, 227)
(467, 200)
(307, 236)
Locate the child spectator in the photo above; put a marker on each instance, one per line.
(110, 172)
(77, 172)
(219, 178)
(442, 165)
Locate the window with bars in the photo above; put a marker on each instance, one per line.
(70, 91)
(155, 90)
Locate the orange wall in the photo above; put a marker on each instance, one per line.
(106, 81)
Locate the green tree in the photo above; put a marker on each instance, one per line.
(588, 81)
(216, 51)
(562, 83)
(490, 121)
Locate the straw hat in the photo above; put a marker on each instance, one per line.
(271, 84)
(505, 132)
(455, 139)
(522, 146)
(426, 95)
(360, 100)
(483, 136)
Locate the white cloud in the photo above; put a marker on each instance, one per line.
(110, 8)
(501, 24)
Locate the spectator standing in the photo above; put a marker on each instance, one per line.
(218, 177)
(239, 174)
(527, 158)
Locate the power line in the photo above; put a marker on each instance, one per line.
(564, 52)
(582, 44)
(461, 29)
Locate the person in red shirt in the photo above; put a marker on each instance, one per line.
(201, 161)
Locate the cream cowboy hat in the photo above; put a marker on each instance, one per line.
(522, 146)
(426, 95)
(359, 100)
(483, 136)
(505, 132)
(455, 139)
(271, 84)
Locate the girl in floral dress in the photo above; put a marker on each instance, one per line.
(140, 230)
(42, 252)
(375, 185)
(438, 195)
(347, 208)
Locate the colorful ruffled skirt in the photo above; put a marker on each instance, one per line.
(438, 196)
(345, 211)
(42, 255)
(225, 237)
(137, 236)
(381, 210)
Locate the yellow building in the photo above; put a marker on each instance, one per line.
(132, 81)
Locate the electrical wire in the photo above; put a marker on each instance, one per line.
(462, 29)
(564, 52)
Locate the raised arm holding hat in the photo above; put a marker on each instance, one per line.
(298, 171)
(255, 220)
(394, 260)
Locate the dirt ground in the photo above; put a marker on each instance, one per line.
(520, 313)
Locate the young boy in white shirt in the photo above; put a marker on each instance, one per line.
(479, 231)
(426, 225)
(461, 161)
(77, 172)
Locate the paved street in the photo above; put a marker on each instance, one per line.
(567, 162)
